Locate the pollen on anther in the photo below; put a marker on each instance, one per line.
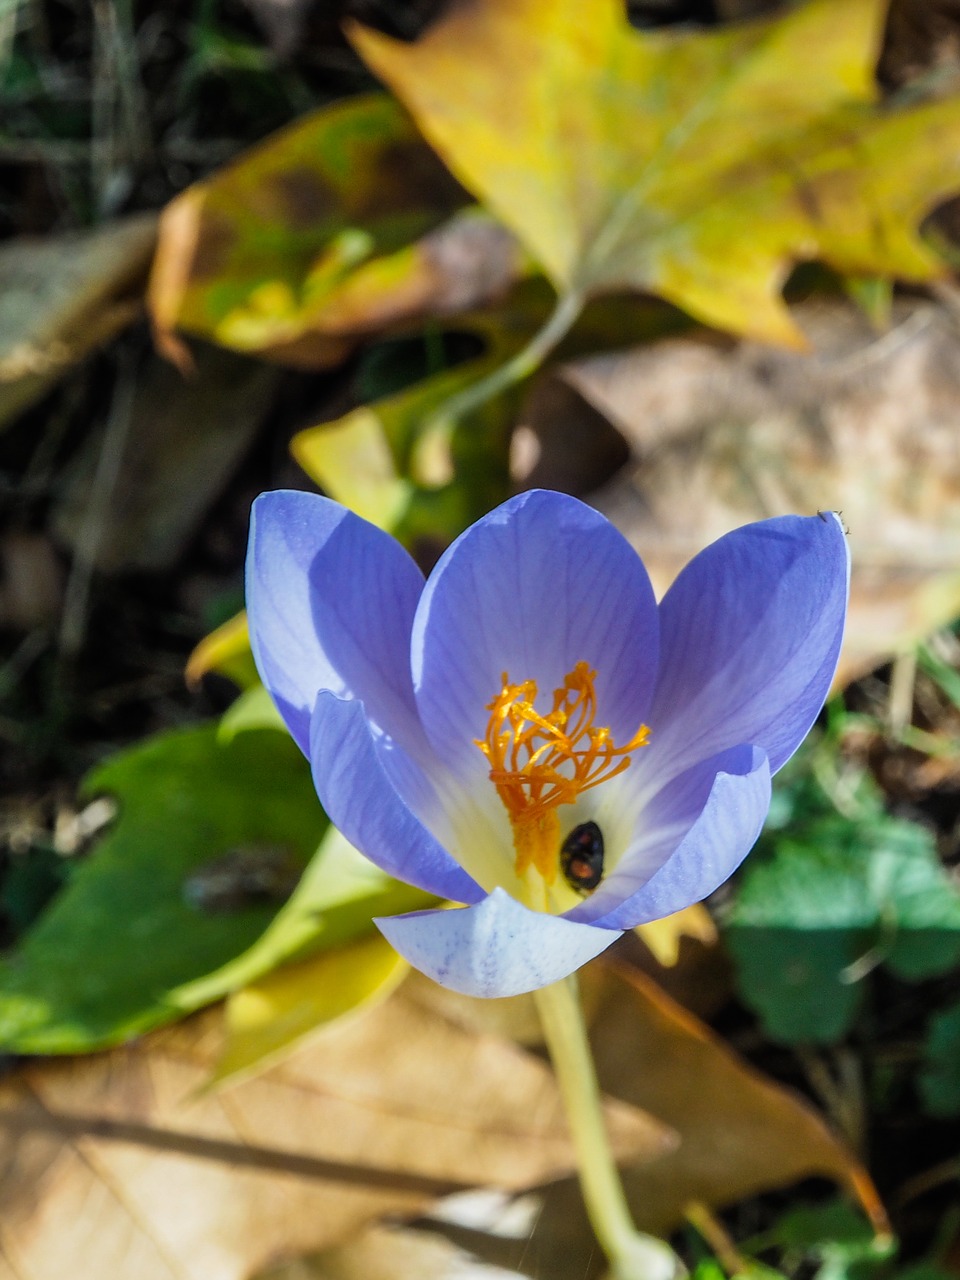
(539, 762)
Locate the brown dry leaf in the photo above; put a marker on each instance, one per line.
(392, 1253)
(741, 1134)
(62, 296)
(116, 1161)
(514, 1017)
(723, 434)
(197, 425)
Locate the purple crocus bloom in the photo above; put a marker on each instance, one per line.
(527, 733)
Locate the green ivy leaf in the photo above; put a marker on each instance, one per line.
(940, 1075)
(134, 922)
(794, 980)
(833, 897)
(836, 1237)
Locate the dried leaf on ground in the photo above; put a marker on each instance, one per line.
(116, 1161)
(723, 435)
(515, 1017)
(198, 426)
(62, 296)
(337, 225)
(392, 1253)
(740, 1133)
(695, 165)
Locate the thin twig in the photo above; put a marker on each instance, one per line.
(903, 678)
(94, 522)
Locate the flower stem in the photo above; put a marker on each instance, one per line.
(518, 367)
(632, 1255)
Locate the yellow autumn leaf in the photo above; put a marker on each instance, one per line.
(663, 936)
(698, 166)
(277, 1013)
(225, 650)
(339, 225)
(352, 460)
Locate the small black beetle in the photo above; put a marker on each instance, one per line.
(581, 857)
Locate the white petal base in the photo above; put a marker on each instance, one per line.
(496, 948)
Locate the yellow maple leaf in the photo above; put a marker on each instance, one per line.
(697, 166)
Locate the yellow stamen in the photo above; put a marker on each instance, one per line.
(538, 762)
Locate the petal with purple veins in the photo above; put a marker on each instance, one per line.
(750, 636)
(359, 782)
(691, 838)
(540, 584)
(331, 600)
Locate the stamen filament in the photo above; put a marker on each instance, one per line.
(538, 762)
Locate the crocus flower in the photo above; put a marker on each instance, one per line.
(527, 733)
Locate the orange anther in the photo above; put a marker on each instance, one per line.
(538, 762)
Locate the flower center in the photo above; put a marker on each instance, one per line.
(539, 762)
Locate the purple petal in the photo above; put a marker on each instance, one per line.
(357, 781)
(699, 829)
(497, 948)
(540, 584)
(331, 601)
(750, 636)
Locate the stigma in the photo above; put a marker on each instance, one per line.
(539, 762)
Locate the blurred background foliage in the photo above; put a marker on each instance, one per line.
(692, 261)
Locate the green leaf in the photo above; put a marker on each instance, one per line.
(833, 897)
(697, 166)
(817, 1228)
(138, 918)
(940, 1075)
(253, 709)
(794, 980)
(335, 902)
(29, 882)
(422, 484)
(708, 1269)
(837, 1237)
